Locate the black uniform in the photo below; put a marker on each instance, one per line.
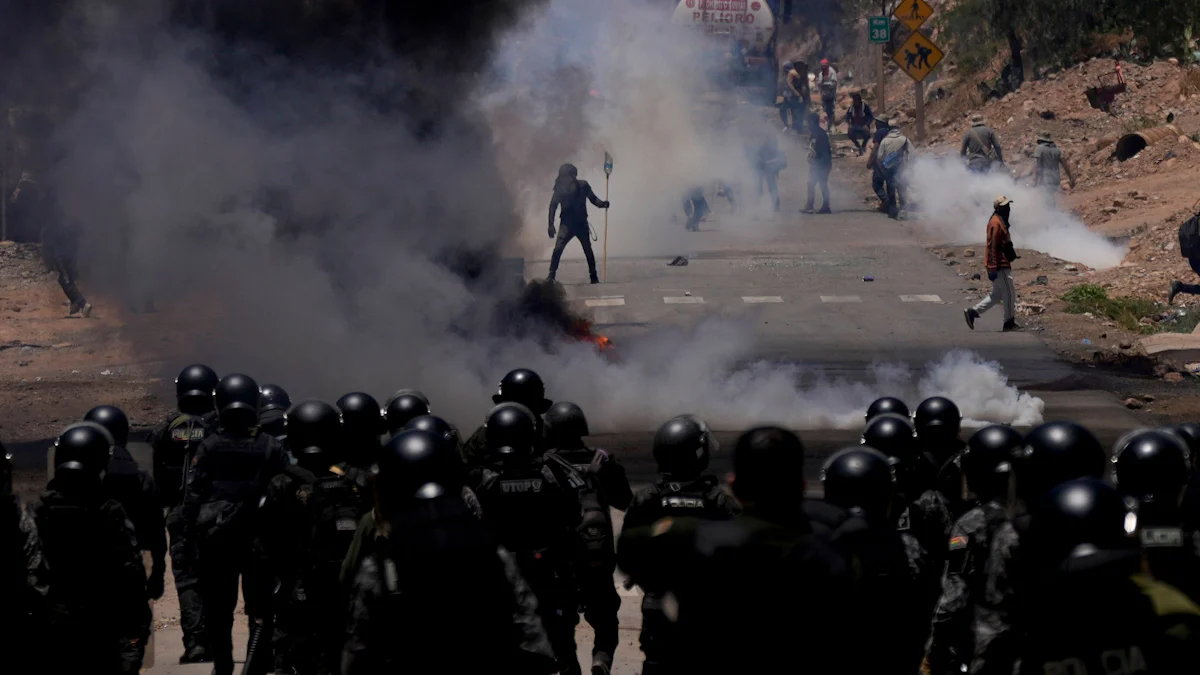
(228, 477)
(24, 582)
(432, 558)
(97, 581)
(309, 522)
(135, 489)
(174, 443)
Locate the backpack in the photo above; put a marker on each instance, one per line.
(336, 508)
(1189, 237)
(894, 159)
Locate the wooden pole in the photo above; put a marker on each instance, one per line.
(604, 265)
(920, 112)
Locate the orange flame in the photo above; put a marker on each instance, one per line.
(582, 331)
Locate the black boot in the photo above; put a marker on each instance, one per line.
(1176, 286)
(971, 315)
(595, 279)
(1012, 325)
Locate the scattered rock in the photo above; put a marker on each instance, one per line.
(1047, 115)
(951, 262)
(1109, 210)
(1193, 368)
(106, 372)
(1030, 308)
(26, 350)
(63, 345)
(1148, 398)
(1042, 280)
(948, 254)
(1126, 345)
(1173, 377)
(1070, 268)
(1118, 203)
(1134, 404)
(969, 253)
(976, 277)
(1173, 61)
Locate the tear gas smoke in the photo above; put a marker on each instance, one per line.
(956, 203)
(333, 223)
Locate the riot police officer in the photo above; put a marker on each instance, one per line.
(309, 518)
(274, 407)
(1151, 466)
(521, 386)
(565, 427)
(921, 510)
(891, 577)
(406, 609)
(1052, 454)
(985, 463)
(404, 406)
(723, 581)
(1190, 433)
(363, 426)
(683, 446)
(533, 509)
(97, 579)
(1091, 609)
(450, 447)
(885, 406)
(227, 479)
(938, 423)
(174, 443)
(24, 580)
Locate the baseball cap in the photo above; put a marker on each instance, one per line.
(1001, 201)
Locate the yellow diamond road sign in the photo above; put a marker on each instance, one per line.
(913, 13)
(918, 56)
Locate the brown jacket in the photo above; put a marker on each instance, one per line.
(997, 242)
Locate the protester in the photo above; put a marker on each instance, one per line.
(1000, 255)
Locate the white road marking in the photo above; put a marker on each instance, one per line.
(613, 301)
(683, 300)
(756, 299)
(840, 298)
(921, 298)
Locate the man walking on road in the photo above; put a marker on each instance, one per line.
(1047, 160)
(980, 146)
(1000, 254)
(820, 162)
(891, 156)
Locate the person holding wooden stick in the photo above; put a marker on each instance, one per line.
(570, 193)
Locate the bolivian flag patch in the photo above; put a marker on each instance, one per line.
(957, 543)
(662, 526)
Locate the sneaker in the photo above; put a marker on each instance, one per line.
(1175, 288)
(971, 315)
(87, 310)
(595, 279)
(73, 310)
(601, 664)
(195, 654)
(1010, 326)
(808, 209)
(825, 209)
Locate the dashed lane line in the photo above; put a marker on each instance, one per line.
(683, 300)
(759, 299)
(607, 301)
(840, 298)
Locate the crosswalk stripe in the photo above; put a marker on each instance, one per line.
(921, 298)
(683, 300)
(840, 298)
(614, 301)
(756, 299)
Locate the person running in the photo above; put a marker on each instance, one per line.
(1000, 255)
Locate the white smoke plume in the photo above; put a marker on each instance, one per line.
(955, 205)
(313, 236)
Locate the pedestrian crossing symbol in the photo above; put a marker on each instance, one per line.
(918, 56)
(913, 13)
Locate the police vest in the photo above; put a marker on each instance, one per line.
(531, 514)
(335, 508)
(173, 453)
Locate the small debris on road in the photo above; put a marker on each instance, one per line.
(1134, 404)
(1173, 377)
(868, 278)
(679, 261)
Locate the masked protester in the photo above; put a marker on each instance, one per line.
(1000, 256)
(570, 193)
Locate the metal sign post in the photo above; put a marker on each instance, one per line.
(918, 56)
(608, 167)
(879, 31)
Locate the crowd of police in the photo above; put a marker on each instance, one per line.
(372, 539)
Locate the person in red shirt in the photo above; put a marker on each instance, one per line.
(1000, 254)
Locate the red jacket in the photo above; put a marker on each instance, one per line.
(997, 241)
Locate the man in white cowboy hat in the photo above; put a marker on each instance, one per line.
(891, 156)
(980, 146)
(1000, 255)
(1047, 159)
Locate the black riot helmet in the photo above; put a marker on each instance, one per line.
(438, 427)
(361, 416)
(1054, 453)
(886, 405)
(1151, 465)
(937, 421)
(314, 435)
(768, 465)
(403, 407)
(1190, 433)
(683, 446)
(1079, 517)
(81, 453)
(987, 461)
(525, 387)
(565, 425)
(237, 398)
(274, 398)
(892, 435)
(510, 433)
(194, 389)
(860, 480)
(412, 468)
(113, 419)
